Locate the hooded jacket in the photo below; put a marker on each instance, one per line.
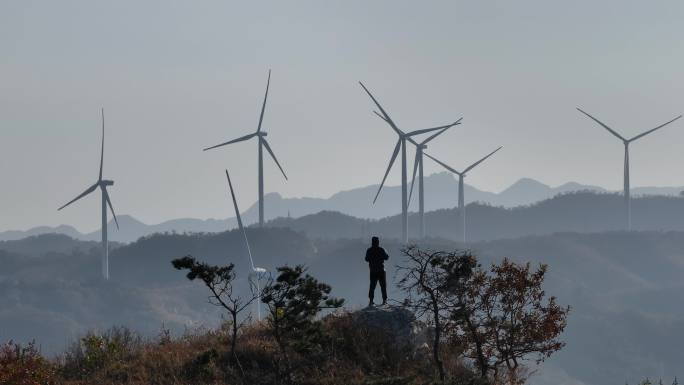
(376, 257)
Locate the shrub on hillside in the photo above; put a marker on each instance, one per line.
(24, 365)
(647, 381)
(101, 352)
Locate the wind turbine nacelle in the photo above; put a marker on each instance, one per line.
(107, 182)
(262, 133)
(259, 270)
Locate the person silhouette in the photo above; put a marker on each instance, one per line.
(376, 257)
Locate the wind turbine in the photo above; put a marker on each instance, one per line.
(263, 143)
(401, 144)
(626, 142)
(254, 271)
(418, 166)
(102, 184)
(461, 193)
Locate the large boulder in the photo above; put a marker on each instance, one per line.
(397, 323)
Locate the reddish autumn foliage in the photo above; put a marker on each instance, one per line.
(498, 318)
(502, 318)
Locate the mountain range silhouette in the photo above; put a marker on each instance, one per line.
(441, 193)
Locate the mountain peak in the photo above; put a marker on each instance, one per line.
(273, 196)
(129, 219)
(442, 175)
(574, 186)
(527, 184)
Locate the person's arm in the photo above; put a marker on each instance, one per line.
(367, 256)
(386, 256)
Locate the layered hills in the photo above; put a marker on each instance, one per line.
(441, 191)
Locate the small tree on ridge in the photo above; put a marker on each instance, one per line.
(219, 280)
(294, 300)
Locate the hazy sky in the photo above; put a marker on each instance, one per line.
(175, 77)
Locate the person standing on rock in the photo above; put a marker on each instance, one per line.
(376, 257)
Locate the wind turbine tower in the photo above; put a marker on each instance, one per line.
(626, 142)
(102, 184)
(461, 185)
(262, 143)
(401, 145)
(418, 166)
(255, 272)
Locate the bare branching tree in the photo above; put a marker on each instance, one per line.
(428, 278)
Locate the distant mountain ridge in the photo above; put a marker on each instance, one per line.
(578, 211)
(441, 191)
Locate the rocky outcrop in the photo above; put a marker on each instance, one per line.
(395, 322)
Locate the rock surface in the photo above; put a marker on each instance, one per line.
(397, 322)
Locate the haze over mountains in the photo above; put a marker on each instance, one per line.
(624, 289)
(441, 193)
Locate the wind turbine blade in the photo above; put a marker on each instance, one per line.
(603, 125)
(481, 160)
(239, 220)
(438, 133)
(392, 159)
(387, 118)
(413, 179)
(268, 148)
(442, 164)
(426, 130)
(102, 148)
(380, 116)
(653, 129)
(240, 139)
(86, 192)
(263, 106)
(111, 208)
(398, 131)
(235, 205)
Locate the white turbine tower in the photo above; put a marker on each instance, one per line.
(401, 144)
(262, 143)
(102, 184)
(254, 271)
(461, 193)
(626, 142)
(418, 167)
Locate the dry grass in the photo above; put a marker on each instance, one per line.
(351, 356)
